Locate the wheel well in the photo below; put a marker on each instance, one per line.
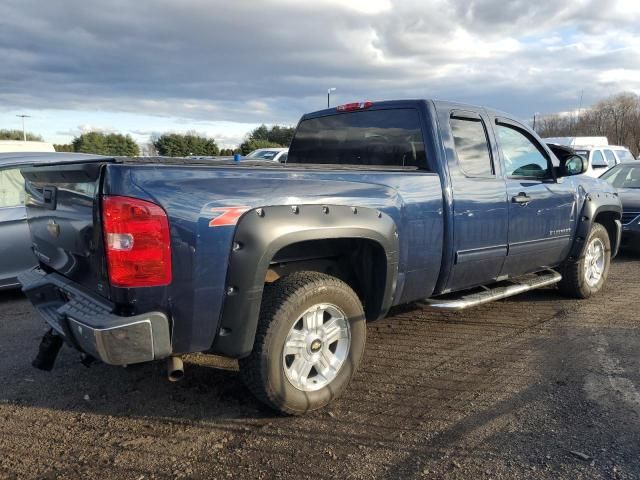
(359, 262)
(608, 221)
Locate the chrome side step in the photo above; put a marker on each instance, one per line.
(500, 291)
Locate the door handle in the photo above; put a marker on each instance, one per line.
(521, 198)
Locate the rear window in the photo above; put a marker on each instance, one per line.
(375, 137)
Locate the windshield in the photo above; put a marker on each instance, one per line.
(623, 176)
(266, 154)
(625, 156)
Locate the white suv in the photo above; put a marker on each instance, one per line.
(602, 158)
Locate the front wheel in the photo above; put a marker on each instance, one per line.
(310, 340)
(586, 277)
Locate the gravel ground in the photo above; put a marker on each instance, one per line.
(535, 386)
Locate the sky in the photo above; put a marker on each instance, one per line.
(223, 67)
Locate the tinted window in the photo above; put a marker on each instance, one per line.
(11, 188)
(472, 147)
(611, 158)
(283, 158)
(598, 160)
(373, 137)
(522, 157)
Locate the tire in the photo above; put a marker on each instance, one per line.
(335, 309)
(576, 281)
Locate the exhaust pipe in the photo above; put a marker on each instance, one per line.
(48, 351)
(175, 369)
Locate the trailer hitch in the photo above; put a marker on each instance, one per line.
(48, 351)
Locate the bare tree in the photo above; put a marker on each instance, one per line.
(616, 117)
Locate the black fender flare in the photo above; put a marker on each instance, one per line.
(594, 205)
(262, 232)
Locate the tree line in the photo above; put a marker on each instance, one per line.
(17, 135)
(616, 117)
(175, 144)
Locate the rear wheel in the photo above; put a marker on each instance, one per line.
(586, 277)
(310, 340)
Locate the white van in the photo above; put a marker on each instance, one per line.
(574, 142)
(10, 146)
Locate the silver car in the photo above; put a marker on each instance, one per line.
(15, 240)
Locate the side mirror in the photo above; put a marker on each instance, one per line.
(575, 165)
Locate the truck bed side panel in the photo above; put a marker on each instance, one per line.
(413, 200)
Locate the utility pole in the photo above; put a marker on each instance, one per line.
(24, 134)
(329, 90)
(580, 106)
(573, 124)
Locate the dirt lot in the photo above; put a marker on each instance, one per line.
(535, 386)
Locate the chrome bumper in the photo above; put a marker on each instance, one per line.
(86, 322)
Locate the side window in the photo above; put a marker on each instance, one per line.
(283, 157)
(472, 147)
(597, 160)
(11, 188)
(522, 157)
(611, 158)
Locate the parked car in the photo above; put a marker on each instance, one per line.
(15, 247)
(626, 179)
(275, 154)
(281, 266)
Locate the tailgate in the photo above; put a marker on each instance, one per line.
(63, 215)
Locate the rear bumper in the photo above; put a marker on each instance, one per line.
(86, 322)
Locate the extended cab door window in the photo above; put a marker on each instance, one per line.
(472, 147)
(522, 158)
(11, 188)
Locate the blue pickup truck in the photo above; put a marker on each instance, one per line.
(282, 265)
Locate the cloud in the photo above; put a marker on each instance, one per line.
(270, 61)
(86, 128)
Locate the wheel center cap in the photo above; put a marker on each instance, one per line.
(315, 346)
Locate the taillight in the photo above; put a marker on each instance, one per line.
(349, 107)
(137, 242)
